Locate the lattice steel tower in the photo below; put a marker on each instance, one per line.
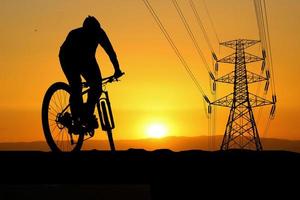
(241, 131)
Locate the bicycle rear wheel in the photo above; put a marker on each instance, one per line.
(55, 115)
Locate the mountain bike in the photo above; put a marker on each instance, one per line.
(57, 117)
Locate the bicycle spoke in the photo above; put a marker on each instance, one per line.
(52, 124)
(60, 99)
(62, 139)
(53, 109)
(60, 136)
(52, 130)
(52, 117)
(70, 145)
(65, 139)
(65, 99)
(69, 136)
(51, 113)
(57, 136)
(55, 102)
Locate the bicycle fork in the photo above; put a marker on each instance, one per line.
(106, 118)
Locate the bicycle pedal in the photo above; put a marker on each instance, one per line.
(75, 131)
(91, 133)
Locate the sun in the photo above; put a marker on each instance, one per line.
(156, 130)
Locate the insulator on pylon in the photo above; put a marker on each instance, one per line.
(268, 74)
(209, 109)
(274, 98)
(272, 112)
(217, 67)
(206, 99)
(214, 56)
(214, 86)
(264, 53)
(267, 87)
(211, 76)
(263, 66)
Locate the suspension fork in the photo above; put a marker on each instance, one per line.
(106, 117)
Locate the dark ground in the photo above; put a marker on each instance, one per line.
(139, 174)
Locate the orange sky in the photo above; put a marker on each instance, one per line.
(156, 89)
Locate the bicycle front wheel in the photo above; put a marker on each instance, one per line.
(56, 115)
(107, 123)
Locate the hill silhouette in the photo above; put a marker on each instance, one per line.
(173, 143)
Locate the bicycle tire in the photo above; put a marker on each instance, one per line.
(47, 109)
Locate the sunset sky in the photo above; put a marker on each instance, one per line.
(156, 89)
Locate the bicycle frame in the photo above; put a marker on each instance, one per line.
(104, 104)
(85, 85)
(104, 110)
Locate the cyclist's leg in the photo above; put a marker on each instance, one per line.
(76, 101)
(73, 76)
(93, 77)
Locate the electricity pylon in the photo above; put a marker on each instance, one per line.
(241, 130)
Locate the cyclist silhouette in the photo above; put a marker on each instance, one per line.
(77, 58)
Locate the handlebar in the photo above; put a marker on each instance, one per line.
(105, 80)
(111, 79)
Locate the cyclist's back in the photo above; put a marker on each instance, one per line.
(79, 45)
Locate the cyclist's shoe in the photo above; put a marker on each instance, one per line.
(76, 128)
(118, 73)
(72, 130)
(92, 123)
(84, 126)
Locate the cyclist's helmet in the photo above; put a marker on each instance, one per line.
(91, 24)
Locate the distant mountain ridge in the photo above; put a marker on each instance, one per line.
(173, 143)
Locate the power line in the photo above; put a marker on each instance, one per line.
(259, 22)
(269, 45)
(263, 27)
(190, 33)
(212, 117)
(211, 21)
(261, 36)
(262, 22)
(177, 52)
(200, 24)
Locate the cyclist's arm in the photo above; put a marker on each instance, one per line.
(107, 46)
